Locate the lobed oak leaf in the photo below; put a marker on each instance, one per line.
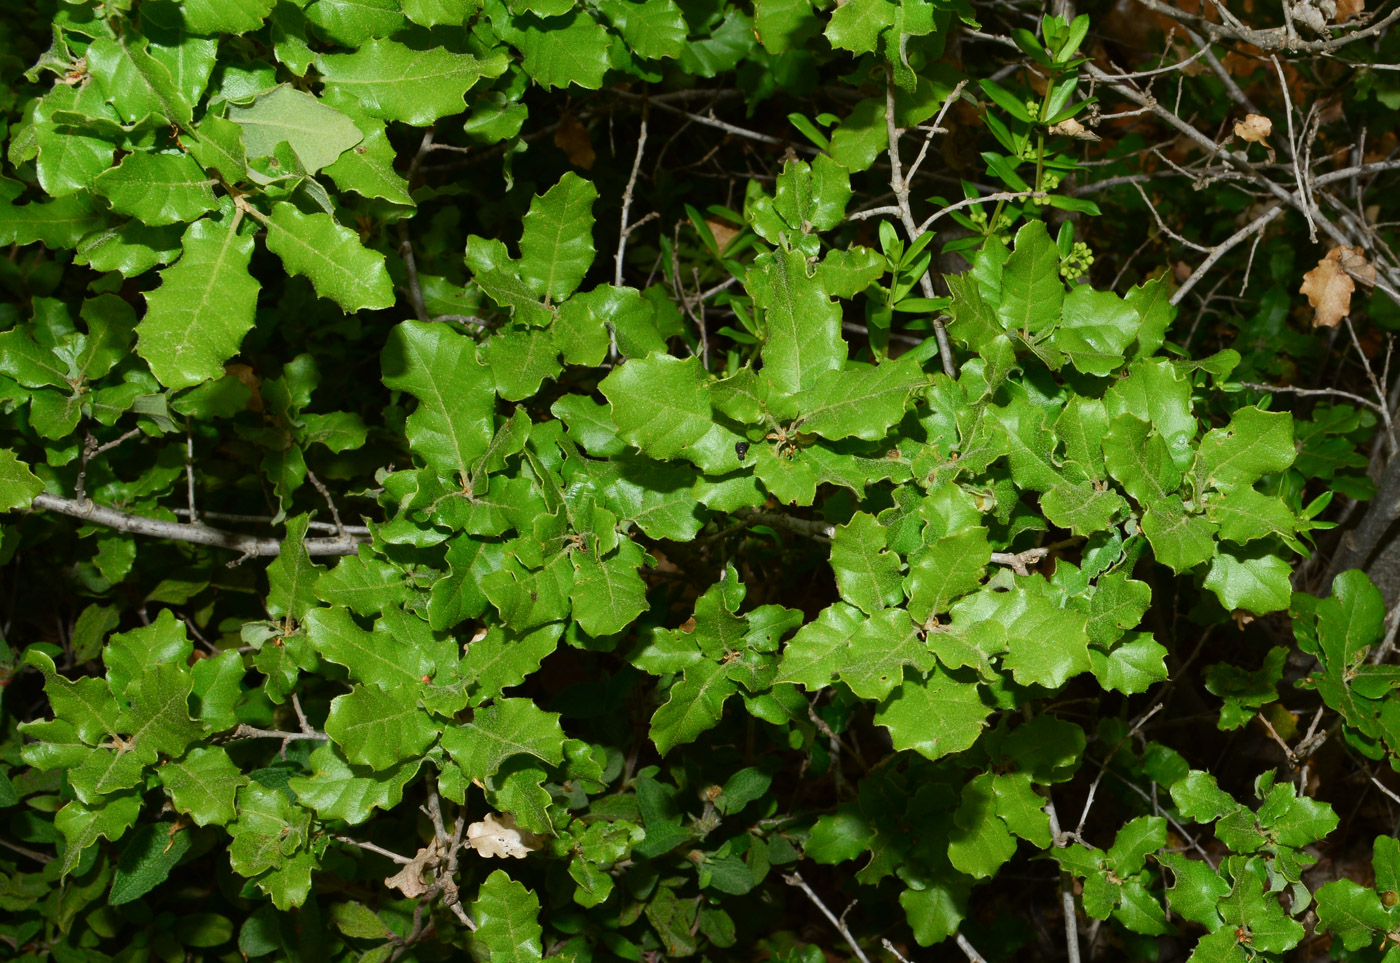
(1329, 286)
(497, 836)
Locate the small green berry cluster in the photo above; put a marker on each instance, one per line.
(1048, 182)
(1076, 262)
(978, 216)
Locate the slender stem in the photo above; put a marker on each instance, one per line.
(1066, 884)
(624, 230)
(249, 545)
(796, 880)
(371, 847)
(245, 731)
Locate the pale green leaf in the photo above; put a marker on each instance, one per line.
(338, 790)
(1031, 290)
(203, 784)
(867, 575)
(317, 134)
(556, 246)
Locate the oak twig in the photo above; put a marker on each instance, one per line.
(194, 533)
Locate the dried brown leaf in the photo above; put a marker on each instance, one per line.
(1329, 286)
(1073, 128)
(723, 231)
(1346, 9)
(409, 880)
(497, 836)
(1255, 128)
(576, 143)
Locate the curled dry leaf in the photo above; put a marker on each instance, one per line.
(1346, 9)
(497, 836)
(1073, 128)
(409, 880)
(1255, 128)
(1329, 286)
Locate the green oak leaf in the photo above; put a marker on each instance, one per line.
(980, 842)
(694, 705)
(662, 406)
(556, 243)
(1254, 444)
(82, 827)
(352, 22)
(655, 30)
(867, 575)
(373, 658)
(224, 16)
(158, 719)
(318, 134)
(1032, 293)
(380, 729)
(934, 717)
(157, 189)
(1180, 540)
(507, 728)
(945, 569)
(452, 425)
(269, 829)
(1255, 583)
(18, 485)
(803, 322)
(571, 49)
(196, 319)
(1352, 912)
(203, 785)
(392, 81)
(363, 583)
(506, 920)
(1132, 665)
(338, 790)
(859, 400)
(1196, 889)
(338, 265)
(292, 576)
(608, 593)
(819, 650)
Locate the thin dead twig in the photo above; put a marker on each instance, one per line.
(624, 231)
(900, 186)
(248, 545)
(796, 879)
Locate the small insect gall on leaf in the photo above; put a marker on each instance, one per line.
(426, 679)
(1389, 898)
